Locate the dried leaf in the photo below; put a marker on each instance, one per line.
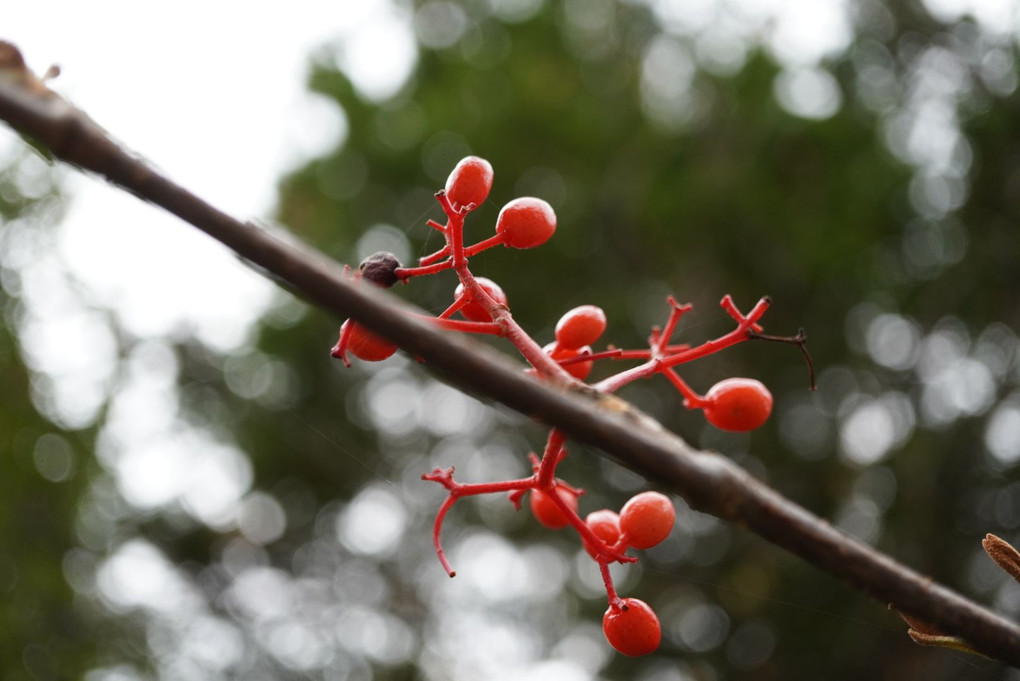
(938, 641)
(916, 625)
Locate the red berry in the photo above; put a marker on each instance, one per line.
(605, 525)
(581, 326)
(547, 512)
(526, 222)
(738, 404)
(470, 182)
(366, 345)
(632, 628)
(474, 310)
(646, 519)
(578, 370)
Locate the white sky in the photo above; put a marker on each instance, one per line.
(214, 93)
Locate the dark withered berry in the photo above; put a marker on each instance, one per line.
(380, 269)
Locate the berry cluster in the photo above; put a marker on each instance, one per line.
(735, 404)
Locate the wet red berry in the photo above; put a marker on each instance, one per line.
(474, 310)
(547, 512)
(581, 326)
(738, 404)
(470, 182)
(526, 222)
(632, 627)
(366, 345)
(605, 525)
(647, 519)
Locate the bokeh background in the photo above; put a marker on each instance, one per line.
(192, 489)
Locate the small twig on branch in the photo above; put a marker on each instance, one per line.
(800, 340)
(708, 482)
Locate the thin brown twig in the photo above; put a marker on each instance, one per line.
(708, 482)
(800, 340)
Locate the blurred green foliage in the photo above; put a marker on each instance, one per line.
(836, 218)
(42, 635)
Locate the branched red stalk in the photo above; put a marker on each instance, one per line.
(657, 363)
(458, 260)
(457, 490)
(461, 489)
(676, 311)
(543, 479)
(753, 316)
(474, 249)
(617, 353)
(660, 357)
(454, 230)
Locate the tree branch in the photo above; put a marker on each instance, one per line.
(707, 481)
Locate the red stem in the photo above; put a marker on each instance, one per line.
(494, 240)
(615, 602)
(465, 326)
(456, 305)
(458, 490)
(551, 457)
(675, 312)
(500, 314)
(405, 273)
(753, 316)
(435, 257)
(436, 533)
(692, 400)
(472, 489)
(617, 353)
(657, 364)
(340, 349)
(587, 535)
(454, 229)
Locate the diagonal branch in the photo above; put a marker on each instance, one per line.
(707, 481)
